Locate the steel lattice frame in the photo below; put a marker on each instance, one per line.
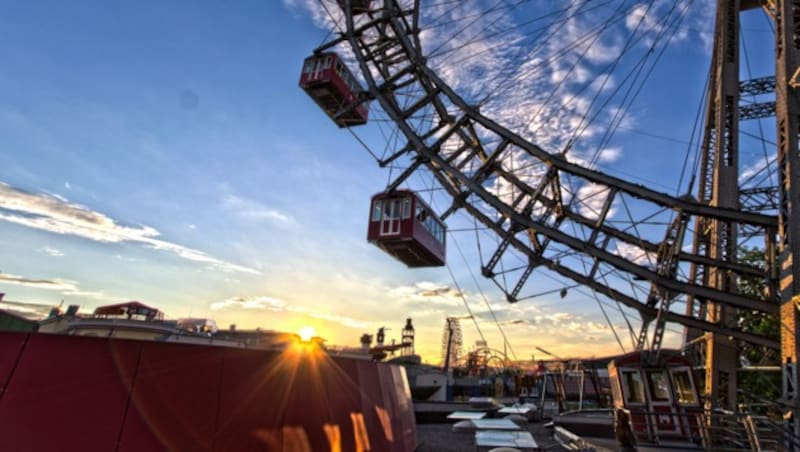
(539, 217)
(467, 151)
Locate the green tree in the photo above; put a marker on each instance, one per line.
(757, 384)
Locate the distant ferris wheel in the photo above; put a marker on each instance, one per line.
(452, 342)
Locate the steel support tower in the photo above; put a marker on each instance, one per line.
(787, 107)
(718, 186)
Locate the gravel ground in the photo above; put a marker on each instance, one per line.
(442, 438)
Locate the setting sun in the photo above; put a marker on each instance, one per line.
(307, 333)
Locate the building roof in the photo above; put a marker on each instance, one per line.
(129, 308)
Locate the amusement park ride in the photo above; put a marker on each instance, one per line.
(535, 224)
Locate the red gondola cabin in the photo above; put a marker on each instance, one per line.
(662, 400)
(356, 6)
(334, 88)
(405, 227)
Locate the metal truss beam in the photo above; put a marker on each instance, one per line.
(716, 213)
(458, 182)
(759, 199)
(756, 110)
(757, 86)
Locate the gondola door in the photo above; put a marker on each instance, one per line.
(663, 420)
(390, 217)
(320, 64)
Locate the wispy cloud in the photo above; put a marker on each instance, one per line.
(249, 208)
(635, 254)
(56, 214)
(426, 293)
(760, 167)
(261, 302)
(591, 198)
(266, 303)
(52, 251)
(47, 284)
(64, 286)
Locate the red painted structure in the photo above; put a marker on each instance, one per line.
(71, 393)
(402, 225)
(663, 400)
(130, 309)
(333, 87)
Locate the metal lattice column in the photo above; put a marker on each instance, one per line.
(787, 54)
(721, 353)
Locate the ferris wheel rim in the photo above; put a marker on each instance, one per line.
(393, 15)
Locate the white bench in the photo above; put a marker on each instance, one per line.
(494, 424)
(465, 415)
(494, 438)
(521, 410)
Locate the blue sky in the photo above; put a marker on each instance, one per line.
(163, 152)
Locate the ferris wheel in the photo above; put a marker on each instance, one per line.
(525, 179)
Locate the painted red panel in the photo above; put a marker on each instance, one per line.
(253, 398)
(10, 347)
(397, 402)
(403, 409)
(73, 393)
(67, 393)
(346, 398)
(174, 402)
(321, 397)
(372, 401)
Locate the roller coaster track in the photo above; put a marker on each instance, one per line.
(536, 212)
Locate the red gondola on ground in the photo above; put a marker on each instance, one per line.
(356, 6)
(334, 88)
(401, 224)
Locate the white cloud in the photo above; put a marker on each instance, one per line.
(759, 166)
(342, 320)
(252, 209)
(61, 285)
(64, 286)
(52, 251)
(609, 155)
(56, 214)
(262, 302)
(427, 293)
(635, 254)
(556, 318)
(272, 304)
(591, 198)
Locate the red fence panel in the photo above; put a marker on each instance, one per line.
(381, 434)
(67, 393)
(96, 394)
(10, 347)
(252, 400)
(175, 398)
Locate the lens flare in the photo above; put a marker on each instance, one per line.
(307, 333)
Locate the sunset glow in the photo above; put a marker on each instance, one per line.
(306, 333)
